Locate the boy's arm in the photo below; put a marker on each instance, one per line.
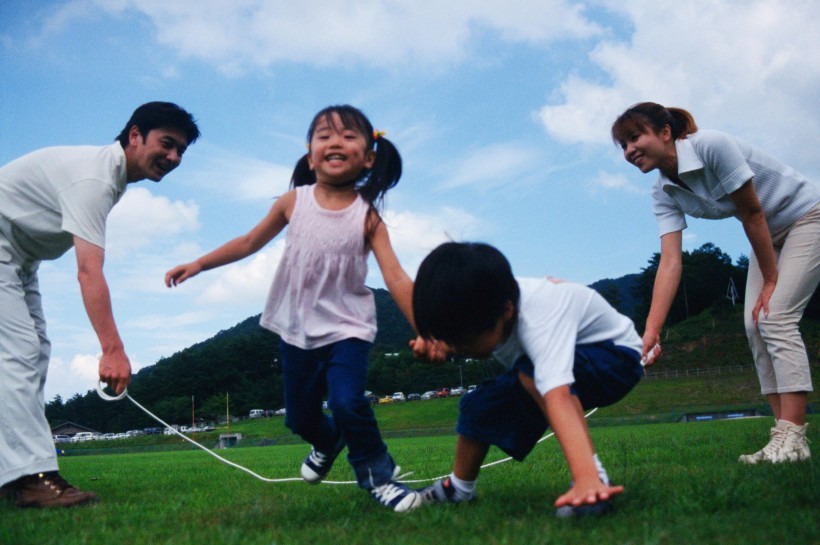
(566, 417)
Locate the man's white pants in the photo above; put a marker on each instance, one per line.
(26, 445)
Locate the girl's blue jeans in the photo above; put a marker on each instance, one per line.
(338, 370)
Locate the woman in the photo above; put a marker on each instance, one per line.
(712, 175)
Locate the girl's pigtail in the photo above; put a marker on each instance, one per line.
(302, 174)
(385, 173)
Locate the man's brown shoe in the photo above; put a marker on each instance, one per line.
(49, 490)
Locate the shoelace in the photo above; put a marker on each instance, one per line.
(776, 443)
(318, 458)
(388, 492)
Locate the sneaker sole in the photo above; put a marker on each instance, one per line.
(594, 510)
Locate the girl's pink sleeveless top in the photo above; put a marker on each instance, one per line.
(318, 294)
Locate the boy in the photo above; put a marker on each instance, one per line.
(567, 350)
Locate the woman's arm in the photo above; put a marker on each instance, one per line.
(234, 250)
(757, 231)
(667, 280)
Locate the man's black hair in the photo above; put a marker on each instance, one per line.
(160, 115)
(461, 291)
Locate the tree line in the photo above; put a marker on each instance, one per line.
(239, 369)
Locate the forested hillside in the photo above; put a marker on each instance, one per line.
(705, 329)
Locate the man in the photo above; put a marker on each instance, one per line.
(50, 200)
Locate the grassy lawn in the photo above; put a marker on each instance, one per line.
(683, 485)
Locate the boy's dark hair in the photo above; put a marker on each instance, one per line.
(160, 115)
(373, 183)
(461, 291)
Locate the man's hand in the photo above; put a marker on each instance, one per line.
(115, 370)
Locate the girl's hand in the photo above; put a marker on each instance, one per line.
(434, 351)
(587, 492)
(763, 301)
(181, 273)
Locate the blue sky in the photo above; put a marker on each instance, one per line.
(501, 111)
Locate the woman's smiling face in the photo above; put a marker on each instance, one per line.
(647, 149)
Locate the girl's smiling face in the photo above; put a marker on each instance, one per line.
(338, 154)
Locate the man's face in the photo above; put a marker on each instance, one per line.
(154, 155)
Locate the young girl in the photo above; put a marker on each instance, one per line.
(318, 303)
(712, 175)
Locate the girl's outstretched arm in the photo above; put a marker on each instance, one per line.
(398, 283)
(242, 246)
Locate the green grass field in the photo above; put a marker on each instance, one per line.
(683, 486)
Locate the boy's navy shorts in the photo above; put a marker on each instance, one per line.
(501, 412)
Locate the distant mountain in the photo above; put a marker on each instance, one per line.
(620, 292)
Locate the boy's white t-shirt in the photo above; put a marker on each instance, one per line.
(554, 317)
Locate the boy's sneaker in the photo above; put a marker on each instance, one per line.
(396, 496)
(788, 443)
(594, 510)
(317, 464)
(46, 490)
(441, 491)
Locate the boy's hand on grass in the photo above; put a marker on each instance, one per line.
(587, 492)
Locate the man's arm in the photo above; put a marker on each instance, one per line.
(115, 368)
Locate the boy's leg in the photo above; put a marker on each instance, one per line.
(470, 455)
(499, 412)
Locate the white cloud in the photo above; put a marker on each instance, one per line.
(245, 282)
(608, 181)
(488, 166)
(414, 235)
(241, 34)
(750, 68)
(242, 177)
(140, 219)
(80, 374)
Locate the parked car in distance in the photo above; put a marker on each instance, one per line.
(109, 436)
(413, 397)
(256, 413)
(428, 395)
(457, 391)
(398, 397)
(82, 436)
(280, 412)
(442, 392)
(61, 438)
(386, 399)
(470, 388)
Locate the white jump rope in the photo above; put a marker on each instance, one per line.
(124, 394)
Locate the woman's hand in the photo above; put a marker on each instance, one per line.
(763, 301)
(651, 347)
